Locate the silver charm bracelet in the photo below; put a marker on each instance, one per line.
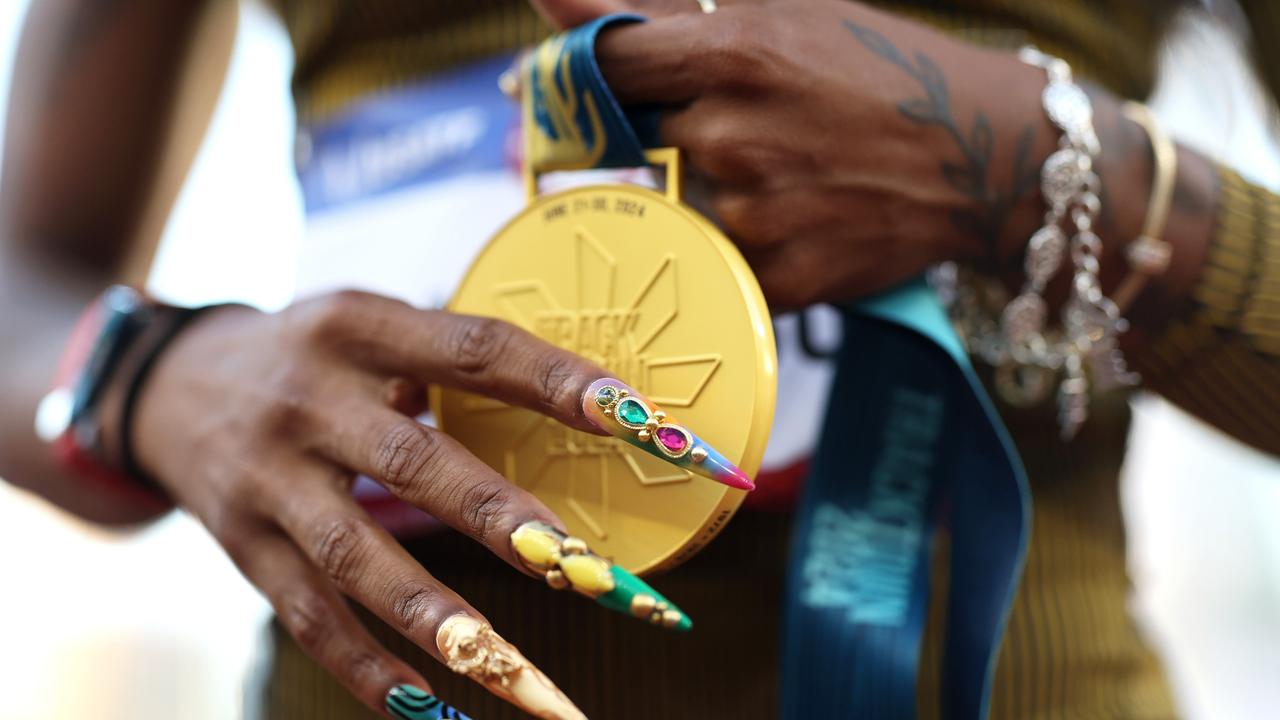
(1025, 354)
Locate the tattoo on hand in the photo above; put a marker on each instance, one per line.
(971, 177)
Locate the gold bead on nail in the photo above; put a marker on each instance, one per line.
(659, 415)
(642, 605)
(698, 454)
(574, 546)
(557, 580)
(671, 618)
(643, 436)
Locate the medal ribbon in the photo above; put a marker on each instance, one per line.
(911, 446)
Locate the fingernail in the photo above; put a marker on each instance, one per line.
(619, 410)
(567, 562)
(412, 703)
(470, 647)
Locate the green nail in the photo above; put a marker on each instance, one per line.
(410, 703)
(568, 562)
(633, 596)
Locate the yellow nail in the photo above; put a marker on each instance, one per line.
(567, 562)
(588, 574)
(537, 545)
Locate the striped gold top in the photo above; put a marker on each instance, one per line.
(1221, 358)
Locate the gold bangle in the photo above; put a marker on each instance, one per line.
(1149, 254)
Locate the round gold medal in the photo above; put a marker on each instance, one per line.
(645, 286)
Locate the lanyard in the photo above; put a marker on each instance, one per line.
(911, 446)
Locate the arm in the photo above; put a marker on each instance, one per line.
(1219, 358)
(256, 423)
(848, 149)
(92, 100)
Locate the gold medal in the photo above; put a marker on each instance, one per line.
(642, 284)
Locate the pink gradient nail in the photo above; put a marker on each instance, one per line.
(616, 408)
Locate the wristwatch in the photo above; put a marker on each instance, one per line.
(118, 337)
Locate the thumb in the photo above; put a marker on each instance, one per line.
(570, 13)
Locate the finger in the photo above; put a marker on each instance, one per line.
(665, 61)
(317, 617)
(724, 144)
(571, 13)
(429, 469)
(481, 355)
(360, 559)
(496, 359)
(676, 59)
(500, 360)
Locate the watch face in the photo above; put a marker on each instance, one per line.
(98, 341)
(53, 415)
(654, 293)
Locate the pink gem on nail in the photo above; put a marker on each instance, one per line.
(672, 439)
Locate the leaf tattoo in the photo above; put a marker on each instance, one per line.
(970, 176)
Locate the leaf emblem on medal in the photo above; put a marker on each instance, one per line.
(616, 319)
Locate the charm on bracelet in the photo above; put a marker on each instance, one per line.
(1026, 354)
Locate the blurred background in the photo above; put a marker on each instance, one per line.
(158, 624)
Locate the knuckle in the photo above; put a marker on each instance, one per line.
(332, 315)
(556, 388)
(404, 453)
(411, 605)
(362, 665)
(227, 511)
(746, 217)
(739, 48)
(340, 546)
(729, 150)
(478, 343)
(224, 526)
(485, 507)
(289, 406)
(308, 619)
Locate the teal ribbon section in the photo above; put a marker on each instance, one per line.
(911, 446)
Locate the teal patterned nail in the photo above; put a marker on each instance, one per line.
(410, 703)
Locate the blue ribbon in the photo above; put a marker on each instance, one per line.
(572, 120)
(911, 445)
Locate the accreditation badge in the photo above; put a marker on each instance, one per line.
(639, 282)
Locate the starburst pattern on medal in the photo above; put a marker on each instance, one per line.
(675, 381)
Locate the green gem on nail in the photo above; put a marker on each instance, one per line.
(632, 411)
(606, 395)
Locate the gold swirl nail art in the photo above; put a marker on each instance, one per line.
(471, 647)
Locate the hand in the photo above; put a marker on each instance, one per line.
(843, 149)
(258, 423)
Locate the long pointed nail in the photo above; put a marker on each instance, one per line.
(413, 703)
(470, 647)
(616, 408)
(567, 562)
